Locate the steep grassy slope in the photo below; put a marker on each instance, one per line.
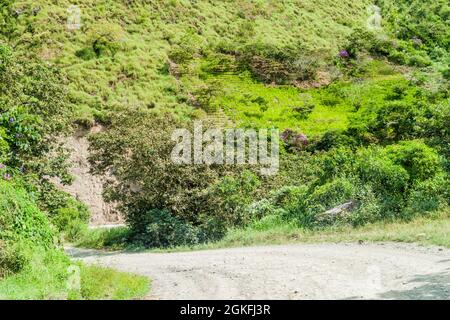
(118, 58)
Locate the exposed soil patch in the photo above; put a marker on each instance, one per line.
(86, 187)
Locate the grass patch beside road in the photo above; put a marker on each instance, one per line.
(51, 276)
(432, 230)
(427, 231)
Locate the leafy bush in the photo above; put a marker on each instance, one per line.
(263, 208)
(20, 218)
(278, 65)
(429, 195)
(383, 182)
(373, 168)
(12, 258)
(22, 225)
(158, 228)
(424, 20)
(72, 219)
(105, 38)
(33, 106)
(68, 215)
(137, 149)
(269, 222)
(420, 161)
(231, 195)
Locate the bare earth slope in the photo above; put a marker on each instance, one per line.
(302, 271)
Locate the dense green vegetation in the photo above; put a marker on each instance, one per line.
(373, 126)
(34, 116)
(363, 109)
(33, 267)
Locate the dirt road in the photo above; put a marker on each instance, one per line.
(301, 271)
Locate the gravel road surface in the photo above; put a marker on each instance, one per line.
(298, 271)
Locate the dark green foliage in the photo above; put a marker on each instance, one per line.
(86, 54)
(33, 106)
(159, 228)
(12, 258)
(231, 195)
(429, 195)
(137, 147)
(399, 181)
(279, 65)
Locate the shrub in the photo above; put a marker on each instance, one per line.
(137, 150)
(20, 218)
(262, 208)
(72, 219)
(269, 222)
(385, 177)
(423, 20)
(159, 228)
(105, 38)
(433, 127)
(429, 195)
(368, 208)
(331, 194)
(392, 121)
(67, 214)
(4, 146)
(12, 258)
(321, 198)
(288, 196)
(231, 195)
(279, 65)
(420, 161)
(332, 139)
(33, 106)
(22, 227)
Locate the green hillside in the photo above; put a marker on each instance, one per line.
(119, 55)
(357, 88)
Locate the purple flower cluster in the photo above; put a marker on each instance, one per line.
(6, 175)
(344, 54)
(294, 140)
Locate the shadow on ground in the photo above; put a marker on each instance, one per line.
(79, 253)
(434, 286)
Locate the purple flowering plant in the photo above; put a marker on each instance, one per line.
(344, 54)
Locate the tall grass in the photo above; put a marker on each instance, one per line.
(143, 35)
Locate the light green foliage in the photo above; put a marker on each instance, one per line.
(425, 20)
(429, 195)
(47, 273)
(20, 219)
(99, 283)
(32, 267)
(255, 105)
(33, 107)
(134, 41)
(249, 103)
(421, 161)
(100, 238)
